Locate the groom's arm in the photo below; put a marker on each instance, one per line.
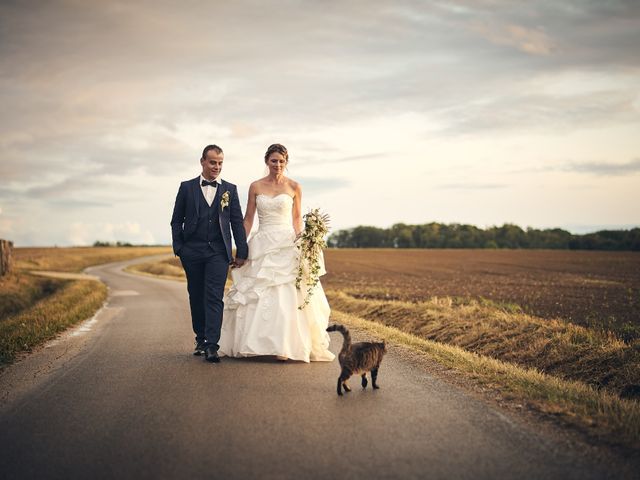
(237, 227)
(177, 220)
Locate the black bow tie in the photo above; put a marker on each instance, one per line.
(212, 184)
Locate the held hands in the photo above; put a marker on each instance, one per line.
(237, 262)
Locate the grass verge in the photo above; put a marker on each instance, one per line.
(72, 302)
(19, 291)
(556, 347)
(598, 413)
(170, 268)
(75, 259)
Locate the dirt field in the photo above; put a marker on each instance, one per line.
(595, 289)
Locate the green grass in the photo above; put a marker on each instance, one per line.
(19, 291)
(72, 302)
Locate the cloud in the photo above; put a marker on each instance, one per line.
(322, 185)
(604, 169)
(6, 228)
(533, 41)
(318, 156)
(108, 104)
(243, 130)
(471, 186)
(79, 204)
(19, 230)
(81, 233)
(582, 229)
(359, 158)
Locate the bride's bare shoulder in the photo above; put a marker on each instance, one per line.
(256, 184)
(295, 187)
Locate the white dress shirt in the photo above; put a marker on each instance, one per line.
(209, 191)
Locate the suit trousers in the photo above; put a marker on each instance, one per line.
(206, 278)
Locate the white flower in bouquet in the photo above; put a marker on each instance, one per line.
(310, 243)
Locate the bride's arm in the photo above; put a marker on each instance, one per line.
(297, 210)
(251, 210)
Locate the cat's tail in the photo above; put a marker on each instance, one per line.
(345, 333)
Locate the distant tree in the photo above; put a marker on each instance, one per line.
(553, 238)
(402, 236)
(490, 244)
(430, 236)
(455, 235)
(339, 239)
(510, 236)
(633, 239)
(99, 243)
(369, 237)
(360, 237)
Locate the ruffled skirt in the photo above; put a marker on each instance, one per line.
(261, 315)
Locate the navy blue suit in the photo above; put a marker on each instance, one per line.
(202, 239)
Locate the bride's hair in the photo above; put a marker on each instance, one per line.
(276, 148)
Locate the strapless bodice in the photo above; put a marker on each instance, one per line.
(274, 212)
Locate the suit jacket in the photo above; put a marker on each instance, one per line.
(185, 217)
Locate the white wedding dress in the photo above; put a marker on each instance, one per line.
(261, 315)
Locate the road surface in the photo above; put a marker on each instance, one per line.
(121, 396)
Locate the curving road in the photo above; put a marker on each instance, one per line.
(121, 396)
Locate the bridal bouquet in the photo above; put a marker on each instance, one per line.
(310, 243)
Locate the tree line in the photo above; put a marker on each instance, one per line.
(455, 235)
(100, 243)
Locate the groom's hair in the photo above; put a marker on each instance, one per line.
(215, 148)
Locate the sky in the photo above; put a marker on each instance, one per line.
(482, 112)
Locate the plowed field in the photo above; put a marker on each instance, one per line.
(595, 289)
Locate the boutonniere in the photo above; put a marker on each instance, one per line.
(224, 201)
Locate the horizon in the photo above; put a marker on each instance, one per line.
(476, 113)
(124, 243)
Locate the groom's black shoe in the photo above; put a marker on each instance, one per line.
(211, 354)
(199, 350)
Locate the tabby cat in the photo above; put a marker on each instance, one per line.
(358, 359)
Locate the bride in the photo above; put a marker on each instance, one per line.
(261, 315)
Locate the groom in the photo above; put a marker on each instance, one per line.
(206, 209)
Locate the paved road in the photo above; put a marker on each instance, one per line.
(122, 397)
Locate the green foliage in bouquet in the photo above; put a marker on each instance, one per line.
(310, 243)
